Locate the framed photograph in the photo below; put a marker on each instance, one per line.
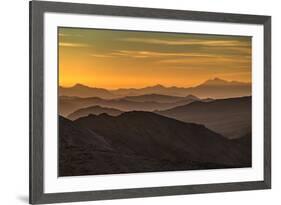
(138, 102)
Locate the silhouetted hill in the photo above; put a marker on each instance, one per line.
(83, 152)
(68, 105)
(80, 90)
(218, 88)
(160, 98)
(207, 99)
(229, 117)
(96, 110)
(212, 88)
(157, 89)
(142, 142)
(154, 136)
(220, 82)
(73, 135)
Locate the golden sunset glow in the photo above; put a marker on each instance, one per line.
(126, 59)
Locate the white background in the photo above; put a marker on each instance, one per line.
(14, 101)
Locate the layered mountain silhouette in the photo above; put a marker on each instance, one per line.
(140, 141)
(96, 110)
(154, 128)
(68, 105)
(229, 117)
(213, 88)
(161, 98)
(80, 90)
(218, 88)
(157, 89)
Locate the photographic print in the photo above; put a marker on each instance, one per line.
(134, 101)
(129, 102)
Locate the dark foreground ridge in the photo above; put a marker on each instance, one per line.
(143, 142)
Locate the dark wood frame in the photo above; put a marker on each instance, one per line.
(37, 10)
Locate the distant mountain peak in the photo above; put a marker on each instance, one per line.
(158, 86)
(219, 81)
(190, 96)
(79, 85)
(215, 81)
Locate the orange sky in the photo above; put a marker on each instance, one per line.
(121, 59)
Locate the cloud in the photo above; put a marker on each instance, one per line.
(100, 55)
(191, 42)
(216, 60)
(219, 60)
(63, 34)
(69, 35)
(65, 44)
(149, 54)
(188, 58)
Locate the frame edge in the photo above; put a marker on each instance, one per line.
(267, 101)
(36, 172)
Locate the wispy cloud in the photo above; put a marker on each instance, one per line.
(186, 58)
(100, 55)
(214, 60)
(65, 44)
(219, 60)
(69, 35)
(148, 54)
(198, 42)
(63, 34)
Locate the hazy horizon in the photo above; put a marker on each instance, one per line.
(152, 85)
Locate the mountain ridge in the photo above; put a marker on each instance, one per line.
(157, 136)
(96, 109)
(208, 88)
(230, 117)
(140, 141)
(69, 105)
